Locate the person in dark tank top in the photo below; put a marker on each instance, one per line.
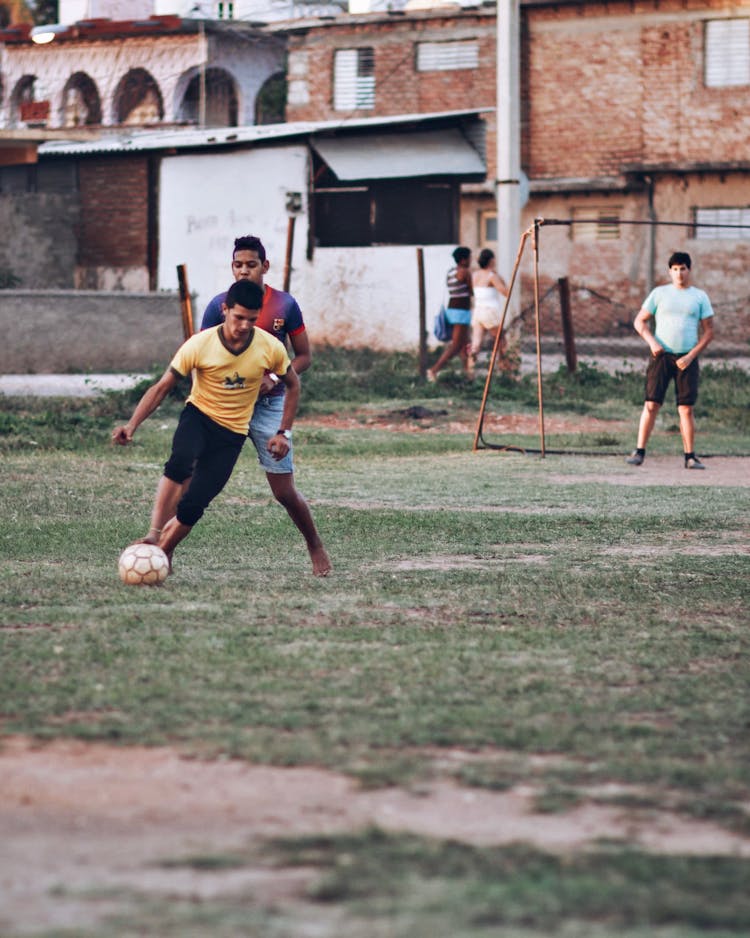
(458, 313)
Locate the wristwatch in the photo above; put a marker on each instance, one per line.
(284, 433)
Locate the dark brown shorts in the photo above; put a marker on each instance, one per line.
(662, 370)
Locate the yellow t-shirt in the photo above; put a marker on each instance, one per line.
(226, 383)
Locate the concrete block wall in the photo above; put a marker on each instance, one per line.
(39, 245)
(56, 331)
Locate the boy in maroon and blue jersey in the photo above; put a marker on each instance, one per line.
(281, 316)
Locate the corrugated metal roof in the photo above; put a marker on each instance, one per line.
(135, 141)
(393, 156)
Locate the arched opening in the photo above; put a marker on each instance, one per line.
(270, 105)
(138, 99)
(221, 107)
(24, 107)
(81, 104)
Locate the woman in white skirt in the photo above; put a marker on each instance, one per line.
(489, 287)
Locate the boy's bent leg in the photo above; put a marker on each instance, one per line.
(168, 494)
(174, 532)
(286, 494)
(187, 444)
(280, 474)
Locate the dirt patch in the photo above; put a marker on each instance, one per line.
(732, 471)
(424, 419)
(656, 470)
(80, 820)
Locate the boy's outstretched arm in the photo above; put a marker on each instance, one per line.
(123, 435)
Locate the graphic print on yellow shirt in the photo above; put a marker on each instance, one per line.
(225, 383)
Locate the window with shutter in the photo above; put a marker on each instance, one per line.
(596, 223)
(727, 53)
(709, 222)
(354, 79)
(447, 56)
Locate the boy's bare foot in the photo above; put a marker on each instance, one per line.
(320, 561)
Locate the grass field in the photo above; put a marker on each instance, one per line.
(498, 623)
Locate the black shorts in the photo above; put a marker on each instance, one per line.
(204, 452)
(663, 369)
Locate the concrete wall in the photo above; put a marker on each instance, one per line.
(39, 244)
(52, 331)
(349, 296)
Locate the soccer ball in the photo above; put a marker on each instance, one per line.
(143, 565)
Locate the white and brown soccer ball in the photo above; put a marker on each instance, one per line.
(143, 565)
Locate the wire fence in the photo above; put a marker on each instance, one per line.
(594, 315)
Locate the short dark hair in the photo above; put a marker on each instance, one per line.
(485, 257)
(460, 254)
(250, 243)
(244, 293)
(679, 257)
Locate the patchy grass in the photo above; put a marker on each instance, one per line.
(593, 634)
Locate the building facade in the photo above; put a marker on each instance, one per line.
(635, 131)
(159, 71)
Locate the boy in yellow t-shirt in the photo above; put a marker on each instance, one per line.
(228, 363)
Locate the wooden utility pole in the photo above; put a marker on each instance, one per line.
(186, 304)
(566, 317)
(288, 256)
(422, 315)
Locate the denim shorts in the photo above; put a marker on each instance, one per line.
(265, 423)
(458, 317)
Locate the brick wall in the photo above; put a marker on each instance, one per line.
(114, 211)
(604, 86)
(114, 233)
(618, 86)
(400, 88)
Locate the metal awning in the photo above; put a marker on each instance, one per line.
(395, 156)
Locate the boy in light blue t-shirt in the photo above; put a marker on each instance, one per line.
(682, 328)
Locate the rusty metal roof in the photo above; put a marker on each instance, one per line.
(190, 138)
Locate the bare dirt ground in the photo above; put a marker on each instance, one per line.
(82, 825)
(82, 820)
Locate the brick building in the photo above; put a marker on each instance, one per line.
(631, 115)
(95, 221)
(635, 122)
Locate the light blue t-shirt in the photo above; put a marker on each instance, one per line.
(677, 314)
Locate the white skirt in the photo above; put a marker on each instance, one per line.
(487, 310)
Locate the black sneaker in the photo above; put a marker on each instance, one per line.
(635, 458)
(694, 463)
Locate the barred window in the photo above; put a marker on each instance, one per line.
(354, 79)
(596, 223)
(708, 222)
(727, 53)
(447, 56)
(488, 228)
